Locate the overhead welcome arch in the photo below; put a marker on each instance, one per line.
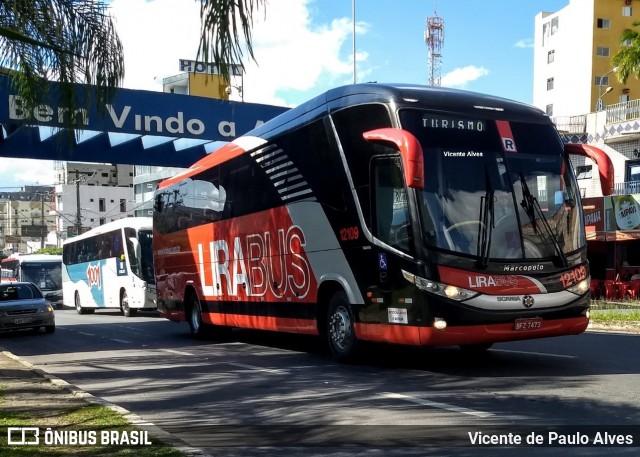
(138, 127)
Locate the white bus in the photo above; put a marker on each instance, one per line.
(44, 270)
(110, 266)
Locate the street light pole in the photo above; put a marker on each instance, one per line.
(609, 89)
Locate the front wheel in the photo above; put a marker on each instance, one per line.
(79, 308)
(340, 329)
(125, 309)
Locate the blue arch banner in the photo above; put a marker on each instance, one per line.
(138, 127)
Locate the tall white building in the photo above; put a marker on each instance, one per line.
(572, 56)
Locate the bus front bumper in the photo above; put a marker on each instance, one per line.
(467, 335)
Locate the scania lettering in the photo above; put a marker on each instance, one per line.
(387, 213)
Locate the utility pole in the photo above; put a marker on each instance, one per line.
(78, 219)
(42, 222)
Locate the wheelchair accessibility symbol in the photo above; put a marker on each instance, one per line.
(382, 261)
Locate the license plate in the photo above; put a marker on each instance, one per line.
(24, 320)
(533, 323)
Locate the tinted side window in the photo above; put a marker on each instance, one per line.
(350, 124)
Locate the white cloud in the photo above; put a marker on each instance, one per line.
(525, 43)
(460, 77)
(292, 53)
(19, 172)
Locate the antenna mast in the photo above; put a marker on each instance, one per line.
(434, 38)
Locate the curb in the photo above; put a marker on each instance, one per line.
(134, 419)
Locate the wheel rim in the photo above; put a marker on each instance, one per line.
(125, 303)
(195, 318)
(340, 330)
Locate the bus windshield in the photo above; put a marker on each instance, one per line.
(45, 275)
(495, 189)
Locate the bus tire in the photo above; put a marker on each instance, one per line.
(194, 317)
(341, 334)
(125, 309)
(79, 308)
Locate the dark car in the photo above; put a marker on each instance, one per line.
(22, 305)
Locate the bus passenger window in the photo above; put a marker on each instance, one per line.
(391, 212)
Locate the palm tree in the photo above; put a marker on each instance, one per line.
(75, 42)
(627, 59)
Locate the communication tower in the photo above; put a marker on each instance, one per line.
(434, 37)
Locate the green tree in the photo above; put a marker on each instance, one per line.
(627, 59)
(75, 42)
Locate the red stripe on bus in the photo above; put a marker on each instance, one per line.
(279, 324)
(226, 152)
(473, 334)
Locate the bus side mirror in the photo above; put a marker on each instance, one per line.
(410, 151)
(605, 165)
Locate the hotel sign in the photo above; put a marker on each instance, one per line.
(193, 66)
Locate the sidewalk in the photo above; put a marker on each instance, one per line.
(28, 391)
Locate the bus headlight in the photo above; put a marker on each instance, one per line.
(445, 290)
(580, 288)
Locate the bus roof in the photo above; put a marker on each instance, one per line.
(34, 258)
(133, 222)
(441, 99)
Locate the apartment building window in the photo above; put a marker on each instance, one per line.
(549, 109)
(624, 98)
(549, 83)
(101, 205)
(602, 80)
(604, 23)
(551, 55)
(549, 28)
(602, 51)
(123, 205)
(627, 11)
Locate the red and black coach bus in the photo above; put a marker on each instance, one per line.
(401, 214)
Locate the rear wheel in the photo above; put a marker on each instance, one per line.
(340, 329)
(194, 317)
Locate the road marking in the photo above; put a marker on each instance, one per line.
(438, 405)
(174, 351)
(253, 367)
(543, 354)
(120, 341)
(87, 333)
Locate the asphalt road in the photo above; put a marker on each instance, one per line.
(256, 392)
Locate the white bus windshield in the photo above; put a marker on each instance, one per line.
(496, 189)
(45, 275)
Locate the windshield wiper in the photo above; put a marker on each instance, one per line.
(532, 208)
(485, 227)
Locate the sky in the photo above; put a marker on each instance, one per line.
(304, 47)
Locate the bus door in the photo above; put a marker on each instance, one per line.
(391, 226)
